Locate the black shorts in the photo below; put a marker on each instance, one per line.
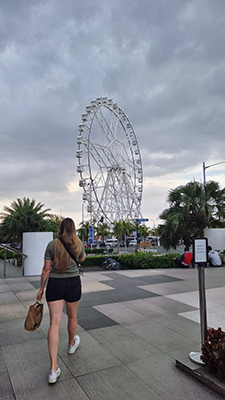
(68, 289)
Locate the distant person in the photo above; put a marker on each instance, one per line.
(213, 258)
(63, 286)
(185, 260)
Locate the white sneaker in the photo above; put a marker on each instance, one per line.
(53, 376)
(73, 348)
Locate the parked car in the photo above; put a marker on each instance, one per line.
(129, 239)
(133, 242)
(111, 242)
(154, 241)
(14, 245)
(101, 243)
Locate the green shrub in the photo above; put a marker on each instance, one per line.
(136, 260)
(10, 255)
(147, 260)
(97, 251)
(91, 261)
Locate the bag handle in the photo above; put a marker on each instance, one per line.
(38, 303)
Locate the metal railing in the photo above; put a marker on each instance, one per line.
(6, 247)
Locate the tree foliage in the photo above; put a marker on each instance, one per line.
(84, 230)
(118, 231)
(23, 215)
(52, 224)
(192, 207)
(103, 230)
(128, 227)
(143, 231)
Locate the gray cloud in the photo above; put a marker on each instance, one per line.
(162, 61)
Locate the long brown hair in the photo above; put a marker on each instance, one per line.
(67, 232)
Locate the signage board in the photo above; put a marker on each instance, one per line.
(139, 220)
(200, 253)
(91, 230)
(91, 234)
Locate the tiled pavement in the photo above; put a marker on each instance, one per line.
(133, 325)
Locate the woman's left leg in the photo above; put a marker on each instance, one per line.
(71, 309)
(55, 310)
(72, 299)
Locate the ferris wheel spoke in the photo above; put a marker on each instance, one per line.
(122, 146)
(112, 129)
(98, 158)
(104, 126)
(102, 155)
(108, 130)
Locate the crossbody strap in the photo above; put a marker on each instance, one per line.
(72, 256)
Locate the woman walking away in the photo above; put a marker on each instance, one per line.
(63, 285)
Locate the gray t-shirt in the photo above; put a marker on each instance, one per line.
(214, 258)
(72, 269)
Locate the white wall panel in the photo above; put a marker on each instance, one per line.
(216, 238)
(34, 245)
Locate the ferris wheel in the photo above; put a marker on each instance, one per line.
(109, 163)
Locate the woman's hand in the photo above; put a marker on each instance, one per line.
(40, 294)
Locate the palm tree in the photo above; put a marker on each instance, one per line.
(215, 205)
(118, 231)
(23, 215)
(52, 224)
(192, 207)
(169, 236)
(129, 227)
(84, 230)
(143, 230)
(103, 230)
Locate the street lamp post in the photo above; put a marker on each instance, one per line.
(208, 166)
(83, 221)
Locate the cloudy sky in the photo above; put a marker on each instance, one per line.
(163, 61)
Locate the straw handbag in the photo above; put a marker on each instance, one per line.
(34, 317)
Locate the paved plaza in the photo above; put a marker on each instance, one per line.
(133, 325)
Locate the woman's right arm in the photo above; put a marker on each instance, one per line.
(44, 276)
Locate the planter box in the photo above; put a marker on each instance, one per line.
(213, 352)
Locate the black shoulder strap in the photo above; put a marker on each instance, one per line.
(72, 256)
(68, 251)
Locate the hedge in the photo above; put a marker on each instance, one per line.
(128, 261)
(91, 261)
(147, 260)
(137, 260)
(98, 251)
